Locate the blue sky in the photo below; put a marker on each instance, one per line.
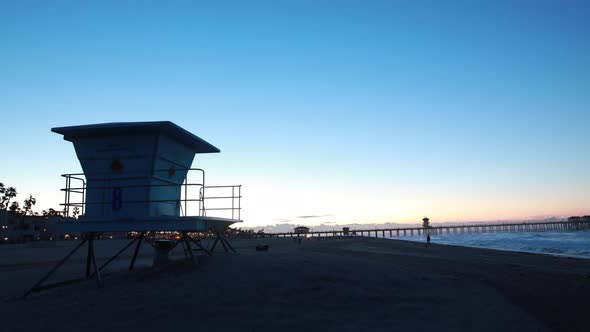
(364, 111)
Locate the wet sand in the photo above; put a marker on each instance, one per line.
(320, 285)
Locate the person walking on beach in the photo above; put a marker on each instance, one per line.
(428, 239)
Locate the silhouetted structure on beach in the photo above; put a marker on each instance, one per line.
(136, 180)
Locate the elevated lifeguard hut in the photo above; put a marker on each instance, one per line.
(136, 180)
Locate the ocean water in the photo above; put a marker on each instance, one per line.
(575, 244)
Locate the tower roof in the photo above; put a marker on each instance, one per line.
(125, 128)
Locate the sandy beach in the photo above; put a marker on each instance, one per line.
(351, 284)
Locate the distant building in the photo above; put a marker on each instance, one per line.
(16, 228)
(346, 231)
(301, 230)
(426, 222)
(574, 219)
(585, 219)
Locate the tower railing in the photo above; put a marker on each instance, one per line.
(195, 198)
(234, 197)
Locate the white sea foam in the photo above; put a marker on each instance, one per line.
(556, 243)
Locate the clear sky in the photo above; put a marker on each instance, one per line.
(357, 111)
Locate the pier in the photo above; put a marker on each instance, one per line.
(556, 226)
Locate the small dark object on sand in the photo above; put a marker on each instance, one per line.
(262, 247)
(161, 250)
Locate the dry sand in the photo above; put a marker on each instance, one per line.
(321, 285)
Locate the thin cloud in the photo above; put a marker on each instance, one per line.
(314, 216)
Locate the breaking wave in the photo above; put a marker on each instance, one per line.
(575, 244)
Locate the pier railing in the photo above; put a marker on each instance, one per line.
(567, 226)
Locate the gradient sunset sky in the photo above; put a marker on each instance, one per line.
(355, 111)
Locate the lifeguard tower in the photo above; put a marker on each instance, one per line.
(135, 180)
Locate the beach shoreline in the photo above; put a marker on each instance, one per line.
(553, 254)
